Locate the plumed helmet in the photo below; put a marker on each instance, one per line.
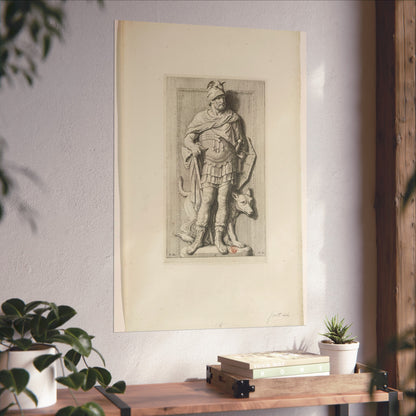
(215, 89)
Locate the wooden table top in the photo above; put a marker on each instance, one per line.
(198, 397)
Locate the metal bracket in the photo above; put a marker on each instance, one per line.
(124, 407)
(242, 389)
(209, 374)
(380, 380)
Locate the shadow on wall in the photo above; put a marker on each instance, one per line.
(349, 249)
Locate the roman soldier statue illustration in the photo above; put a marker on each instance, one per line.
(220, 160)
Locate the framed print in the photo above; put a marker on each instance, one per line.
(209, 177)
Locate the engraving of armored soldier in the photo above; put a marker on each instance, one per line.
(214, 150)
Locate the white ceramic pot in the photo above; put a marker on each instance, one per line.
(42, 384)
(342, 357)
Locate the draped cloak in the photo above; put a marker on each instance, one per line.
(222, 139)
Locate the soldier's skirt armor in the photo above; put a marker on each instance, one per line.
(220, 162)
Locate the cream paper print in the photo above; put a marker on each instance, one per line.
(209, 183)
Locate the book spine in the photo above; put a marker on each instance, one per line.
(292, 370)
(273, 364)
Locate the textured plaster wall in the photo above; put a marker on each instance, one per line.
(62, 130)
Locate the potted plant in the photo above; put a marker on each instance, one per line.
(340, 346)
(35, 330)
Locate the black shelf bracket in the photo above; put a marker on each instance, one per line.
(242, 389)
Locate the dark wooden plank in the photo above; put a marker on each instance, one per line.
(386, 221)
(406, 154)
(396, 154)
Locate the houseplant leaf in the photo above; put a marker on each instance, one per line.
(23, 343)
(44, 361)
(33, 305)
(71, 360)
(39, 328)
(59, 316)
(73, 381)
(4, 410)
(31, 396)
(99, 354)
(80, 341)
(88, 409)
(117, 388)
(6, 333)
(22, 325)
(103, 376)
(13, 307)
(15, 379)
(93, 409)
(90, 378)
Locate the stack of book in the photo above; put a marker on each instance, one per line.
(275, 364)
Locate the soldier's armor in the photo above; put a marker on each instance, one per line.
(220, 164)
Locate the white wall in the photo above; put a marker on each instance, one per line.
(62, 129)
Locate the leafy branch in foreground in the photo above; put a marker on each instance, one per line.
(26, 326)
(28, 29)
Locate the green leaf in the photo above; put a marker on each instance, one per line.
(88, 409)
(39, 328)
(34, 29)
(54, 308)
(4, 54)
(15, 379)
(90, 379)
(45, 360)
(65, 411)
(93, 409)
(31, 395)
(117, 388)
(11, 10)
(410, 189)
(23, 343)
(6, 183)
(71, 360)
(5, 409)
(33, 305)
(81, 341)
(60, 315)
(28, 78)
(22, 325)
(6, 333)
(99, 354)
(51, 334)
(73, 381)
(14, 27)
(62, 338)
(13, 307)
(46, 46)
(103, 376)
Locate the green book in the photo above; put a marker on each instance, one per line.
(281, 371)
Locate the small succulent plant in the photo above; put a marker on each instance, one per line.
(337, 331)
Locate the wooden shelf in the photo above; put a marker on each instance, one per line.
(65, 399)
(199, 397)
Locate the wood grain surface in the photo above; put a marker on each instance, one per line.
(200, 397)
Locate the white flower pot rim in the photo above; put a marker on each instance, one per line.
(340, 347)
(34, 347)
